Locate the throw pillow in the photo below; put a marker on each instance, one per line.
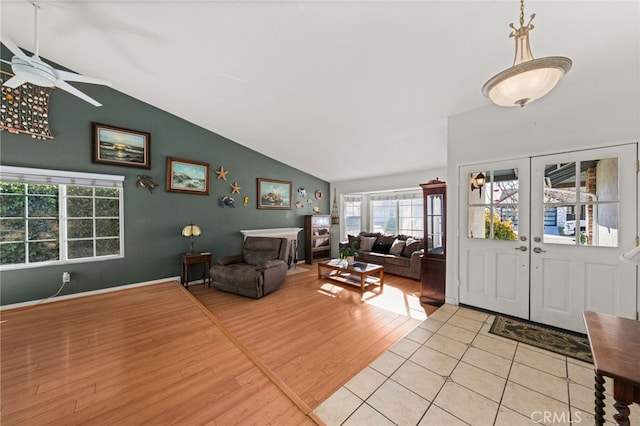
(366, 243)
(410, 246)
(397, 247)
(381, 247)
(386, 239)
(354, 241)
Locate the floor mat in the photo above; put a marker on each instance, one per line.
(548, 338)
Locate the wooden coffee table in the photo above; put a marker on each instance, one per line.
(340, 271)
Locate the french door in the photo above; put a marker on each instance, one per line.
(494, 256)
(554, 228)
(583, 218)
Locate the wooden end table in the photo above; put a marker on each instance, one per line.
(364, 271)
(188, 259)
(615, 345)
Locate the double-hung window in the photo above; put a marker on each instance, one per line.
(51, 217)
(352, 214)
(398, 213)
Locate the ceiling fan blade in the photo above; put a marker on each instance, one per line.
(13, 47)
(61, 84)
(14, 82)
(71, 76)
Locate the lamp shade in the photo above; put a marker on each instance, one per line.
(525, 82)
(191, 231)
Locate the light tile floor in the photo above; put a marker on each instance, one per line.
(451, 371)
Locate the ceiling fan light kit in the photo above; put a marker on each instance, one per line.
(528, 79)
(31, 69)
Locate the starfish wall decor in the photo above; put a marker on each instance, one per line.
(222, 173)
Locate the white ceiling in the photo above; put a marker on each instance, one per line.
(339, 89)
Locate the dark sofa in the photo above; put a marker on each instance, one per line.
(399, 254)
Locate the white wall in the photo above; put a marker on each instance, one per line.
(592, 113)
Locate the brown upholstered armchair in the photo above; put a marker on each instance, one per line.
(259, 270)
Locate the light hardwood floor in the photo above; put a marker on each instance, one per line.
(156, 355)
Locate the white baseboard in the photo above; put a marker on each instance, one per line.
(87, 293)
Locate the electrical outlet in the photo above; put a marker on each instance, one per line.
(66, 277)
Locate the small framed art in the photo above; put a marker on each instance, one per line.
(121, 147)
(274, 194)
(187, 176)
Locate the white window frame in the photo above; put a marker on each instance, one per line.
(63, 178)
(393, 196)
(348, 199)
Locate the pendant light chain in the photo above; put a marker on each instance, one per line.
(522, 13)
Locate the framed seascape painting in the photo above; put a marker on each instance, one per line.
(187, 176)
(274, 194)
(121, 147)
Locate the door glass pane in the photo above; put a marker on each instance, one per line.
(601, 225)
(435, 224)
(504, 197)
(590, 219)
(478, 187)
(505, 226)
(493, 215)
(476, 219)
(600, 180)
(560, 204)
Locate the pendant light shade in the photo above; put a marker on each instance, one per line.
(528, 79)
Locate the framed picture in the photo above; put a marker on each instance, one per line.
(121, 147)
(274, 194)
(187, 176)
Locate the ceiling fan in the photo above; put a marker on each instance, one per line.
(33, 70)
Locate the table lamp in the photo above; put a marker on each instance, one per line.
(191, 231)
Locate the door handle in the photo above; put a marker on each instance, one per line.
(522, 248)
(539, 250)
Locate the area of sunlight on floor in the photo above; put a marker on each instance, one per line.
(395, 300)
(390, 299)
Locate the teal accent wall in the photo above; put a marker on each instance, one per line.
(152, 222)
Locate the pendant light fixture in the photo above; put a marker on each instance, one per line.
(528, 79)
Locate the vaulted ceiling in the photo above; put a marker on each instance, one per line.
(339, 89)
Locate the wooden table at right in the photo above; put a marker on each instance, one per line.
(615, 345)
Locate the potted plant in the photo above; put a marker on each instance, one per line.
(348, 253)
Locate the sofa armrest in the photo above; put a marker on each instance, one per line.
(228, 260)
(270, 264)
(414, 263)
